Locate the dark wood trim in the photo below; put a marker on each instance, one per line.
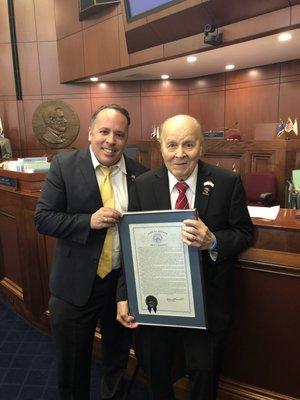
(276, 262)
(12, 288)
(14, 49)
(233, 390)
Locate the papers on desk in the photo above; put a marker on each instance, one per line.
(28, 165)
(269, 213)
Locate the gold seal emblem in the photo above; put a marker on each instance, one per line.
(55, 124)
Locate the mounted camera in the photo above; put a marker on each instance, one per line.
(209, 28)
(213, 40)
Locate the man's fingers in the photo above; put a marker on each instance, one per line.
(107, 212)
(110, 221)
(105, 217)
(194, 222)
(124, 317)
(127, 321)
(189, 230)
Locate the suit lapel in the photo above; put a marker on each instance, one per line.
(130, 172)
(203, 190)
(161, 189)
(89, 176)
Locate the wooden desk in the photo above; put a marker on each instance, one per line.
(22, 181)
(263, 353)
(262, 360)
(277, 243)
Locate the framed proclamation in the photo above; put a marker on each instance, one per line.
(163, 275)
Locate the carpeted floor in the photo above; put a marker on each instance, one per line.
(27, 364)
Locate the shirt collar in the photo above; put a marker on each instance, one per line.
(191, 180)
(120, 164)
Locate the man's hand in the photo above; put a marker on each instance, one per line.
(196, 233)
(105, 217)
(123, 315)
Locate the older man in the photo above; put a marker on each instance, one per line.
(222, 230)
(81, 201)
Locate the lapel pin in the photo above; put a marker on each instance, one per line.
(207, 187)
(208, 183)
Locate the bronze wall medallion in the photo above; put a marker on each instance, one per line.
(55, 124)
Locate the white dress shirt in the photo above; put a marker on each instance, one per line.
(190, 193)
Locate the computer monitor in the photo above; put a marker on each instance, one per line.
(137, 9)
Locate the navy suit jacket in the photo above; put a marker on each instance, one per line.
(69, 196)
(223, 209)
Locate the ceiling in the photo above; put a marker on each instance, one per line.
(190, 20)
(261, 51)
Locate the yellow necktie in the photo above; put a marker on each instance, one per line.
(108, 198)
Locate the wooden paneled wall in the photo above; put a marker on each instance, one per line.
(255, 98)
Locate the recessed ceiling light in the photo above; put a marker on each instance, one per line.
(94, 79)
(229, 67)
(191, 59)
(283, 37)
(165, 76)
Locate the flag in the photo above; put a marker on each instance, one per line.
(280, 128)
(1, 129)
(289, 125)
(295, 127)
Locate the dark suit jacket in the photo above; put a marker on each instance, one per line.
(69, 196)
(223, 209)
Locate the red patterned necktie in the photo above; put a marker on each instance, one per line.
(182, 201)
